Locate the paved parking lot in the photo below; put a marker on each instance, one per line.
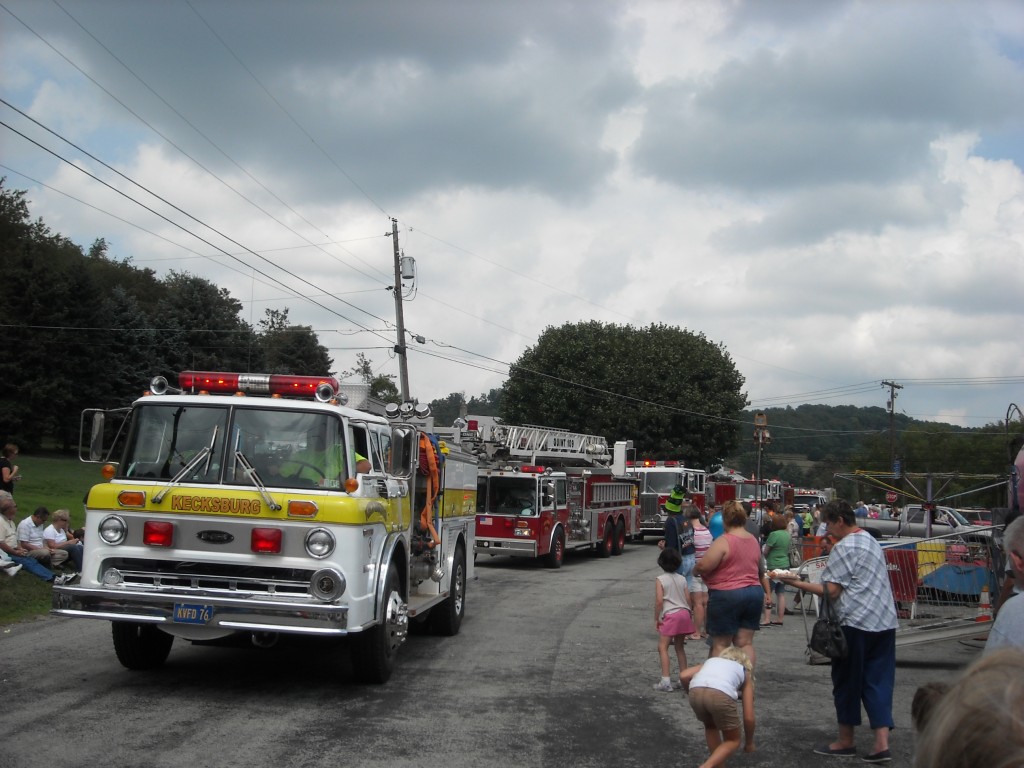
(552, 668)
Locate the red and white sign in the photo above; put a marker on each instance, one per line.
(891, 496)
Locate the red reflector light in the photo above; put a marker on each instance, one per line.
(472, 425)
(266, 541)
(156, 533)
(671, 463)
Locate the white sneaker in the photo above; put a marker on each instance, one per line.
(12, 569)
(663, 685)
(60, 579)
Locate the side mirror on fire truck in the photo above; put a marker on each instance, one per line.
(547, 494)
(96, 437)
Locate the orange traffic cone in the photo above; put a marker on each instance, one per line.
(984, 606)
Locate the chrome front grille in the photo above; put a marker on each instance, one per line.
(211, 578)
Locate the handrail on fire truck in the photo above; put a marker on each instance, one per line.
(531, 443)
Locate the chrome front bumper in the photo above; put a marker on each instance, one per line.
(301, 616)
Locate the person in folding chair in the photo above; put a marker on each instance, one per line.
(858, 585)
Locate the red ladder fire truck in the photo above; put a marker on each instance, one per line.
(260, 505)
(543, 491)
(657, 479)
(725, 485)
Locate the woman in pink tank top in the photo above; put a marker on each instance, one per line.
(738, 588)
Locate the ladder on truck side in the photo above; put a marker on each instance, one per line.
(529, 443)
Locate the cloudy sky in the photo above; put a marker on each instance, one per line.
(831, 190)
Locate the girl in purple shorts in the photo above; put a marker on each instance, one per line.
(672, 616)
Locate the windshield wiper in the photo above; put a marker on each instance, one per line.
(206, 452)
(193, 463)
(254, 477)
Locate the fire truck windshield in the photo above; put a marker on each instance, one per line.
(661, 482)
(287, 448)
(508, 495)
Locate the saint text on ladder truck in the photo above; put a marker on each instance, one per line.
(260, 505)
(544, 491)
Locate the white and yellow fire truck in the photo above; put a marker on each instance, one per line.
(657, 479)
(544, 491)
(260, 505)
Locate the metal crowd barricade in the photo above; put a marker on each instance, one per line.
(942, 586)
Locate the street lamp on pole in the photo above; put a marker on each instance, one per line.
(762, 437)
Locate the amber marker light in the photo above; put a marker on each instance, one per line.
(302, 509)
(132, 498)
(108, 471)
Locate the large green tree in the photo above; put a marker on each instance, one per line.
(673, 392)
(204, 329)
(289, 348)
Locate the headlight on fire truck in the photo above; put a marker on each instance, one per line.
(327, 585)
(319, 543)
(112, 529)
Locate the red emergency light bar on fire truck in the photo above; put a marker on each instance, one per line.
(647, 463)
(322, 388)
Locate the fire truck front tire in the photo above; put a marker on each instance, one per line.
(554, 557)
(446, 618)
(619, 543)
(374, 651)
(140, 646)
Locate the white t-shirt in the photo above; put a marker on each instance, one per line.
(723, 675)
(57, 537)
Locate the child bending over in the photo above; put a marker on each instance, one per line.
(716, 688)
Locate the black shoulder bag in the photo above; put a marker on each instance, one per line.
(827, 636)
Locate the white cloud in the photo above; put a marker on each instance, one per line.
(818, 186)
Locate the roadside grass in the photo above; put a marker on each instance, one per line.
(54, 481)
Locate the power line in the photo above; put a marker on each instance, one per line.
(174, 223)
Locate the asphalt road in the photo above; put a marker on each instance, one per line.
(551, 668)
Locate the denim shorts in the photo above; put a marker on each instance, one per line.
(686, 567)
(730, 610)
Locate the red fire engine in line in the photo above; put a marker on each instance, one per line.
(725, 485)
(657, 479)
(543, 491)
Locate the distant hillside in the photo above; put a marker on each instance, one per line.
(822, 432)
(811, 443)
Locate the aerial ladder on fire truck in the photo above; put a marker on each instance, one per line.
(531, 444)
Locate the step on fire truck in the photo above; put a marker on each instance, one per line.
(543, 491)
(657, 479)
(260, 505)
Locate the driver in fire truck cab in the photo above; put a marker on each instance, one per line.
(517, 501)
(321, 464)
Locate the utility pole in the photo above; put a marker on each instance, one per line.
(893, 386)
(400, 349)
